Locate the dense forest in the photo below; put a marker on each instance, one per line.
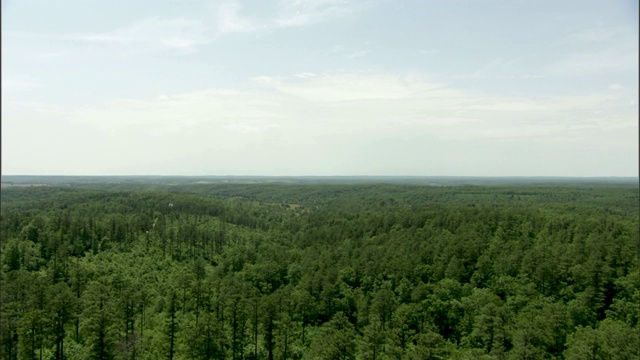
(320, 271)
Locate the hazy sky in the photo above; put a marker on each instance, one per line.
(320, 87)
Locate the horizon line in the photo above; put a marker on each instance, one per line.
(341, 176)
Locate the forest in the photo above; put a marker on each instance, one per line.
(320, 270)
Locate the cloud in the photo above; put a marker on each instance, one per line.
(305, 12)
(356, 105)
(347, 86)
(177, 34)
(229, 19)
(349, 53)
(249, 127)
(492, 67)
(12, 85)
(184, 35)
(318, 123)
(615, 59)
(600, 34)
(288, 14)
(596, 51)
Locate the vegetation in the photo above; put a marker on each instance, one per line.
(320, 271)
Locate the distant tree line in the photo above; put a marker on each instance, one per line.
(319, 271)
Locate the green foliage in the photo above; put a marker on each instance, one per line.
(319, 271)
(611, 340)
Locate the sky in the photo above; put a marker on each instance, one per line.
(320, 87)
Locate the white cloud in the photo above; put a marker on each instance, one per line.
(348, 86)
(600, 34)
(230, 20)
(511, 106)
(495, 66)
(313, 123)
(356, 105)
(303, 12)
(289, 14)
(12, 85)
(618, 59)
(350, 53)
(187, 35)
(177, 34)
(249, 127)
(599, 50)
